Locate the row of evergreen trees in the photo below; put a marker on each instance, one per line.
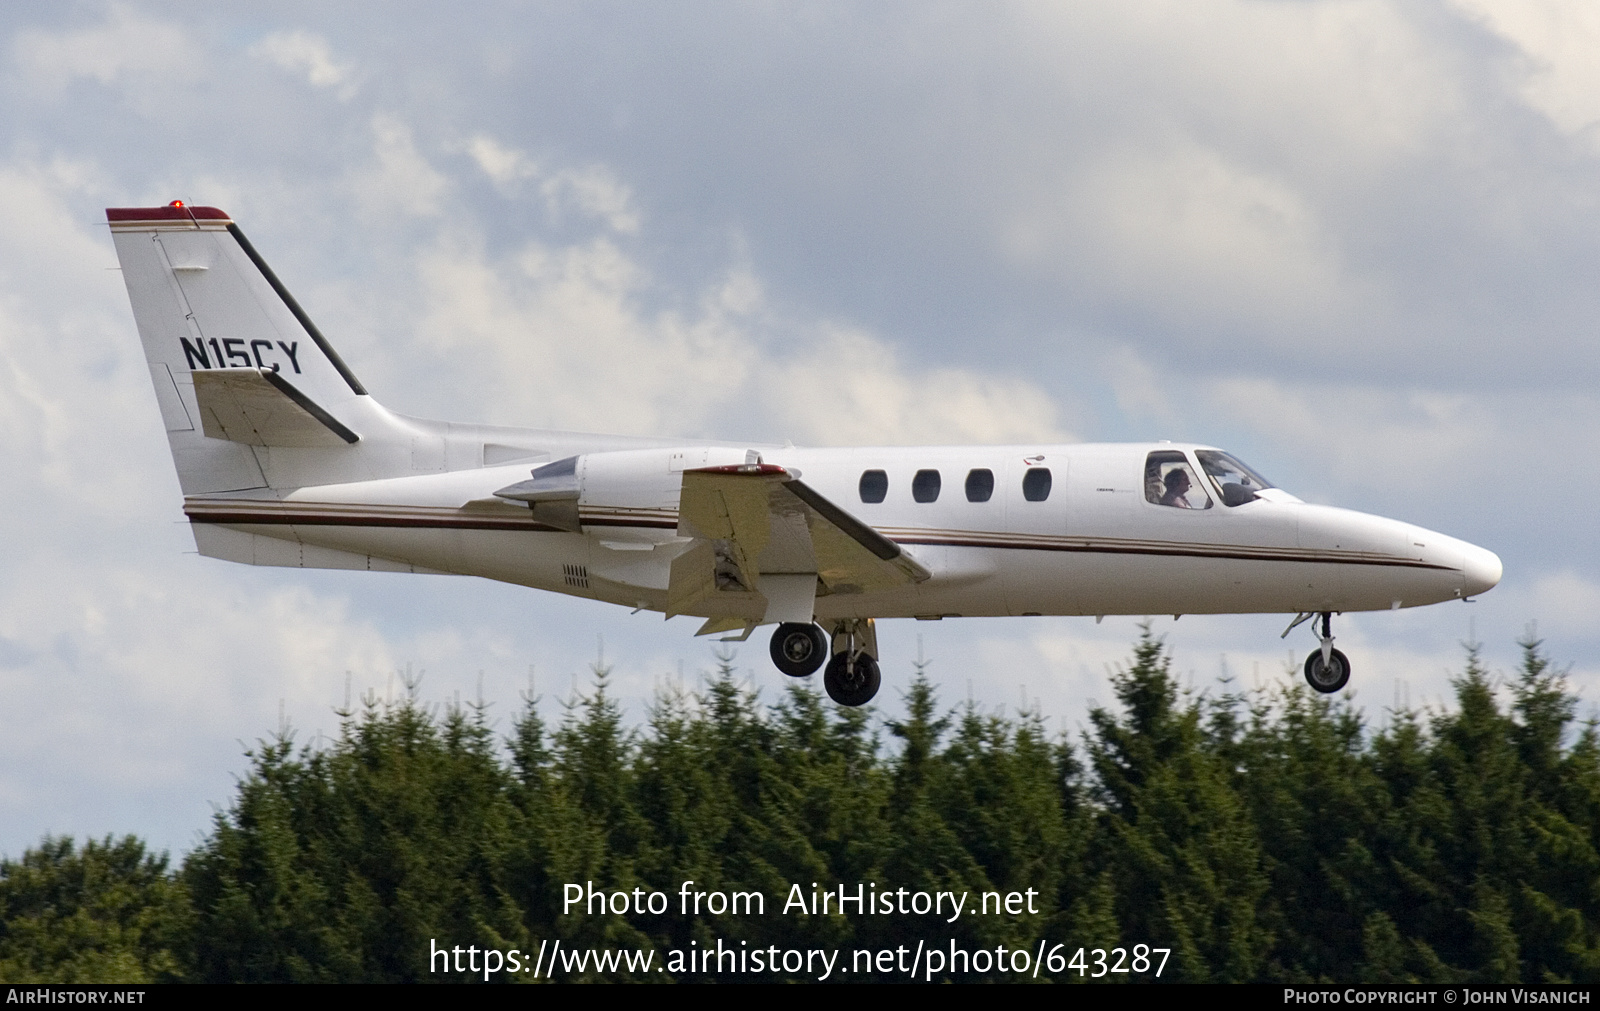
(1270, 835)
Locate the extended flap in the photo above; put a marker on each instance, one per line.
(758, 520)
(258, 407)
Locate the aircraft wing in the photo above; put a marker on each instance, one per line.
(768, 544)
(258, 407)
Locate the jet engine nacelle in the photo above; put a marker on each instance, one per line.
(619, 488)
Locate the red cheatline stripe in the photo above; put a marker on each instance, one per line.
(255, 519)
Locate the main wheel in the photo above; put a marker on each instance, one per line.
(799, 649)
(851, 684)
(1327, 678)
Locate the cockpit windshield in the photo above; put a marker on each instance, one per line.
(1236, 483)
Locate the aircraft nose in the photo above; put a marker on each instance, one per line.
(1480, 569)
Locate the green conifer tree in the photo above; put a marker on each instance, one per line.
(1177, 836)
(109, 912)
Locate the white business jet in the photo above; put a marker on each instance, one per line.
(284, 459)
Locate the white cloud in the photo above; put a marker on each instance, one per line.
(560, 336)
(309, 54)
(850, 388)
(69, 361)
(1371, 436)
(1191, 237)
(506, 166)
(126, 43)
(593, 191)
(1338, 91)
(399, 179)
(1563, 599)
(1143, 392)
(182, 639)
(1557, 41)
(1221, 177)
(556, 336)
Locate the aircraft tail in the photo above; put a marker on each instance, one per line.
(250, 390)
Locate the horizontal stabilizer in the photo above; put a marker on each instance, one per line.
(258, 407)
(552, 494)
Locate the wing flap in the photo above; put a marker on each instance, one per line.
(757, 522)
(258, 407)
(850, 554)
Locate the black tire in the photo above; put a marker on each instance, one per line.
(854, 686)
(799, 650)
(1331, 678)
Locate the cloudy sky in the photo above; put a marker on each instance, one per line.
(1358, 243)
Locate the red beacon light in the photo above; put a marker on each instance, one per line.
(176, 203)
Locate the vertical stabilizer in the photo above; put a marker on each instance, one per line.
(204, 300)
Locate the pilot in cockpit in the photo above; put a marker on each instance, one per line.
(1177, 481)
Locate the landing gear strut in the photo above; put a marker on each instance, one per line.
(852, 676)
(851, 680)
(1327, 669)
(799, 649)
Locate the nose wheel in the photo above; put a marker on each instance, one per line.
(1327, 676)
(1327, 669)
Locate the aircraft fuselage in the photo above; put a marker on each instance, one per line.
(1092, 545)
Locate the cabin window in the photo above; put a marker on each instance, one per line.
(980, 484)
(874, 485)
(1036, 484)
(925, 486)
(1236, 483)
(1169, 480)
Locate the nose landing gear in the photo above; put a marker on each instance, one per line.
(1327, 676)
(1327, 669)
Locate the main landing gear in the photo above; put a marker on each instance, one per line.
(851, 680)
(799, 649)
(852, 675)
(1327, 669)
